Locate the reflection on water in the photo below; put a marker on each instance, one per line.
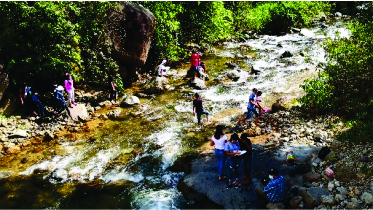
(125, 163)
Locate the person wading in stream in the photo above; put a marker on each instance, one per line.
(219, 140)
(232, 150)
(198, 107)
(245, 144)
(251, 108)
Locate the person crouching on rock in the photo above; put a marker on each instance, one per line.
(162, 69)
(198, 107)
(245, 144)
(274, 191)
(232, 150)
(61, 104)
(219, 140)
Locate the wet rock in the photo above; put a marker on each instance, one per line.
(286, 54)
(312, 195)
(233, 75)
(204, 76)
(79, 112)
(327, 200)
(278, 45)
(131, 101)
(59, 175)
(198, 84)
(18, 134)
(367, 198)
(103, 104)
(48, 136)
(254, 71)
(5, 174)
(342, 190)
(156, 85)
(24, 160)
(278, 106)
(277, 205)
(4, 123)
(311, 177)
(13, 150)
(231, 65)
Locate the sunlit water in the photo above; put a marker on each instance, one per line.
(130, 161)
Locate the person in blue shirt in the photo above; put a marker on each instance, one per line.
(274, 191)
(61, 104)
(232, 150)
(251, 108)
(38, 106)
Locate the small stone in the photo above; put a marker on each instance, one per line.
(13, 150)
(24, 160)
(354, 200)
(356, 191)
(311, 177)
(339, 197)
(342, 190)
(336, 183)
(352, 205)
(278, 205)
(327, 200)
(367, 198)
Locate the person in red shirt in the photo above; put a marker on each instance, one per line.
(195, 60)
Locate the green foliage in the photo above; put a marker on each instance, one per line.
(205, 22)
(43, 40)
(345, 88)
(278, 16)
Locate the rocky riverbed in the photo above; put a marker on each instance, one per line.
(307, 184)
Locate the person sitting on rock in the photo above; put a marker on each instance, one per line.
(162, 69)
(251, 108)
(198, 107)
(61, 104)
(232, 150)
(274, 191)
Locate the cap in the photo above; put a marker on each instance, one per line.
(59, 88)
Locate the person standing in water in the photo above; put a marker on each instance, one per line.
(198, 107)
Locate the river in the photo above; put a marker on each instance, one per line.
(125, 162)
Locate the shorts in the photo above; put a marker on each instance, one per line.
(248, 115)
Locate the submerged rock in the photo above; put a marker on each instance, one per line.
(286, 54)
(198, 84)
(233, 75)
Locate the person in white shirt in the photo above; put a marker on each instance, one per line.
(219, 140)
(162, 69)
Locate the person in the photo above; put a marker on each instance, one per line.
(162, 69)
(69, 86)
(198, 107)
(195, 60)
(203, 65)
(274, 190)
(25, 95)
(219, 140)
(232, 148)
(257, 101)
(61, 104)
(251, 108)
(245, 144)
(112, 89)
(39, 107)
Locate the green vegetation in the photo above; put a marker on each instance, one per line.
(345, 87)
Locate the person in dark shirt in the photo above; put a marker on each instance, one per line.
(198, 107)
(112, 89)
(245, 144)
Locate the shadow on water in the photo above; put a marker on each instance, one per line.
(36, 192)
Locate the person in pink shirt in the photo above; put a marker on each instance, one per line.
(69, 86)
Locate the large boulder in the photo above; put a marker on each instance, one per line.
(278, 106)
(79, 112)
(156, 85)
(129, 31)
(198, 84)
(131, 101)
(233, 75)
(312, 195)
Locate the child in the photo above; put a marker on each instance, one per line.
(257, 101)
(232, 150)
(198, 107)
(69, 86)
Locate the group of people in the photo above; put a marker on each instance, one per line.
(31, 100)
(253, 105)
(239, 149)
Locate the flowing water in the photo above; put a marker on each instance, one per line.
(125, 163)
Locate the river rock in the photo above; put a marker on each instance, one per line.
(59, 175)
(327, 200)
(5, 174)
(48, 136)
(286, 54)
(79, 112)
(254, 70)
(233, 75)
(278, 106)
(4, 123)
(312, 195)
(277, 205)
(131, 101)
(353, 205)
(311, 177)
(129, 31)
(18, 134)
(294, 202)
(367, 198)
(204, 76)
(198, 84)
(13, 150)
(156, 85)
(231, 65)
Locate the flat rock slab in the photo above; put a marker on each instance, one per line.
(204, 176)
(79, 111)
